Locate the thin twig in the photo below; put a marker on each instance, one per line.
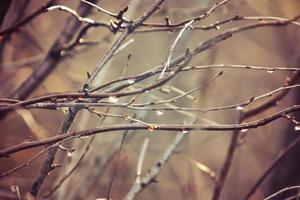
(282, 154)
(156, 169)
(282, 191)
(110, 188)
(72, 112)
(153, 127)
(228, 161)
(26, 20)
(141, 160)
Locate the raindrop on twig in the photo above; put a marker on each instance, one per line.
(244, 130)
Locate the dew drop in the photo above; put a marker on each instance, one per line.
(297, 128)
(113, 99)
(159, 112)
(70, 153)
(81, 40)
(184, 131)
(244, 130)
(270, 71)
(131, 81)
(62, 53)
(239, 107)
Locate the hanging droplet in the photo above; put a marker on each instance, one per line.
(131, 81)
(184, 131)
(297, 128)
(239, 107)
(62, 53)
(270, 71)
(159, 112)
(81, 40)
(113, 99)
(172, 72)
(70, 153)
(218, 27)
(244, 130)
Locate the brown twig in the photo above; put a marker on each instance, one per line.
(282, 154)
(26, 20)
(72, 112)
(228, 162)
(152, 127)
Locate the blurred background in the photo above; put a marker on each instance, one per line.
(24, 52)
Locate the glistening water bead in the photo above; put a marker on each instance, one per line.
(113, 99)
(131, 81)
(244, 130)
(297, 128)
(239, 107)
(159, 112)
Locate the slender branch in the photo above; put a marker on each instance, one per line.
(282, 191)
(215, 66)
(141, 160)
(274, 101)
(228, 161)
(117, 44)
(154, 127)
(115, 170)
(72, 112)
(282, 154)
(61, 181)
(146, 106)
(28, 162)
(53, 57)
(156, 169)
(47, 66)
(206, 45)
(26, 20)
(172, 48)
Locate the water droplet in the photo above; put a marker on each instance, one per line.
(244, 130)
(270, 71)
(297, 128)
(113, 99)
(159, 112)
(218, 27)
(184, 131)
(62, 53)
(131, 81)
(70, 153)
(239, 107)
(172, 72)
